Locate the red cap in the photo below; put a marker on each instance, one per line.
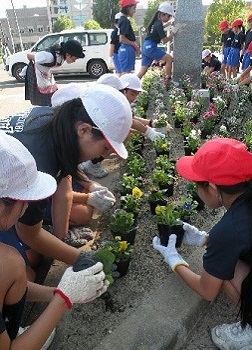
(223, 25)
(221, 161)
(249, 17)
(237, 22)
(124, 3)
(249, 49)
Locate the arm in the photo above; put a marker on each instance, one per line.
(126, 41)
(62, 201)
(111, 49)
(168, 38)
(246, 72)
(206, 285)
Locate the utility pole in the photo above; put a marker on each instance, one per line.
(16, 20)
(11, 36)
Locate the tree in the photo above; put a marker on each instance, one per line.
(222, 10)
(104, 12)
(91, 24)
(151, 10)
(62, 22)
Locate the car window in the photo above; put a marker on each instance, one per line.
(47, 42)
(97, 38)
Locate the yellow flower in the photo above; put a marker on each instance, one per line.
(123, 245)
(137, 192)
(118, 238)
(158, 209)
(164, 147)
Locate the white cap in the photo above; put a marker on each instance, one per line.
(19, 177)
(67, 93)
(118, 15)
(111, 113)
(133, 81)
(166, 8)
(112, 80)
(205, 53)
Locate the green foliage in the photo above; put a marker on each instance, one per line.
(167, 215)
(122, 221)
(128, 182)
(130, 203)
(150, 12)
(160, 176)
(91, 24)
(156, 194)
(104, 12)
(63, 22)
(107, 258)
(218, 11)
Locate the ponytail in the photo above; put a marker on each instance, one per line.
(154, 18)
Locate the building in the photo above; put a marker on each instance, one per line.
(23, 27)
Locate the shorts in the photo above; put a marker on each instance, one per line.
(126, 58)
(10, 237)
(225, 54)
(233, 59)
(116, 63)
(246, 60)
(151, 52)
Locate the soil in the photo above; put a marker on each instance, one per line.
(147, 268)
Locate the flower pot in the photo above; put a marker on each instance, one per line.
(154, 204)
(203, 85)
(162, 153)
(189, 151)
(168, 187)
(195, 119)
(178, 124)
(127, 236)
(122, 267)
(166, 230)
(205, 133)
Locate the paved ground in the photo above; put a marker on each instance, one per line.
(156, 323)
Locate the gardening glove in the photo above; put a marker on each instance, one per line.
(101, 200)
(152, 133)
(85, 285)
(193, 236)
(170, 253)
(97, 187)
(177, 27)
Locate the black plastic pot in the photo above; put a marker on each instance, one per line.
(166, 230)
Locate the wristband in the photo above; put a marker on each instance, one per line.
(64, 296)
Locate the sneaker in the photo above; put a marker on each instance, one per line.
(49, 339)
(93, 169)
(232, 337)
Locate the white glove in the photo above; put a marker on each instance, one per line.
(152, 133)
(84, 285)
(101, 199)
(97, 187)
(193, 236)
(170, 253)
(177, 27)
(110, 63)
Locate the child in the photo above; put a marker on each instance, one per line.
(114, 46)
(21, 185)
(245, 58)
(128, 46)
(156, 34)
(227, 37)
(211, 63)
(222, 171)
(245, 77)
(237, 46)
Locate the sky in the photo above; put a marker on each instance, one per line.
(6, 4)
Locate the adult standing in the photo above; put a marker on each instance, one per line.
(39, 80)
(21, 185)
(128, 46)
(222, 171)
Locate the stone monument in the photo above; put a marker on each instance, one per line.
(188, 42)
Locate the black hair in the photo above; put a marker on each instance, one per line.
(153, 20)
(245, 310)
(66, 119)
(126, 9)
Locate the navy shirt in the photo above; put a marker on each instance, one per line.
(213, 63)
(115, 39)
(32, 129)
(125, 28)
(157, 32)
(229, 240)
(238, 40)
(227, 38)
(248, 38)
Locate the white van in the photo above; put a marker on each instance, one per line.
(95, 46)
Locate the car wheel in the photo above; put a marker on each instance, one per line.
(17, 70)
(97, 68)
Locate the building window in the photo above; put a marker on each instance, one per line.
(30, 29)
(21, 30)
(40, 29)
